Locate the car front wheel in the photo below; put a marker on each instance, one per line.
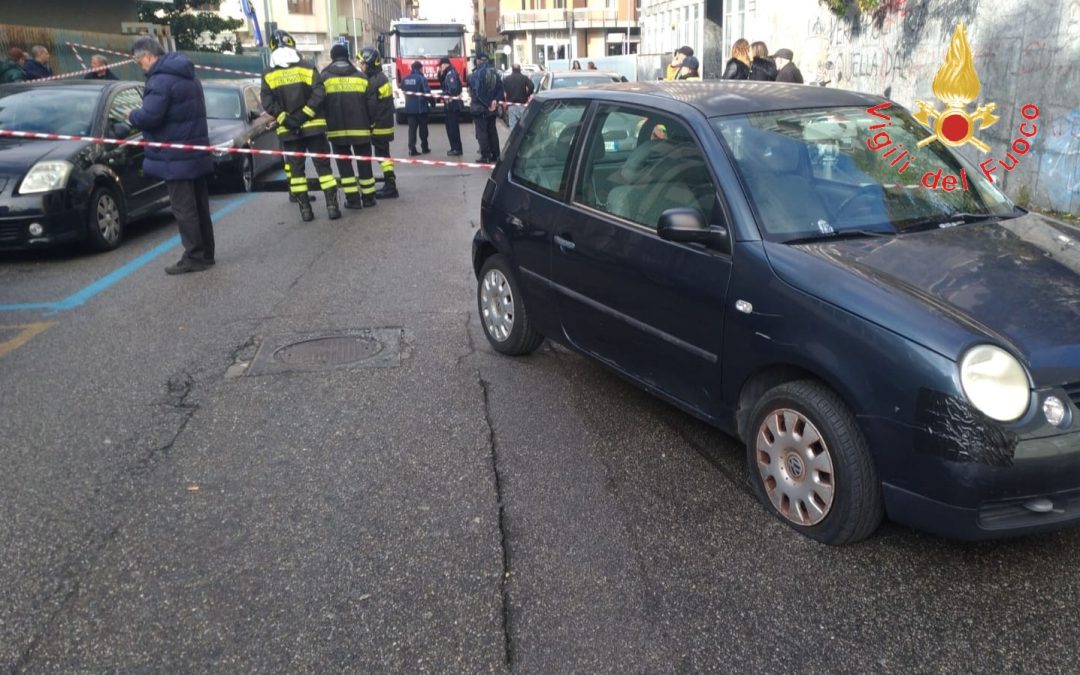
(105, 220)
(810, 464)
(247, 173)
(502, 310)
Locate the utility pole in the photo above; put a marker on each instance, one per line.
(355, 42)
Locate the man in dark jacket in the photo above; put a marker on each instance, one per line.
(11, 68)
(293, 92)
(486, 91)
(417, 107)
(518, 89)
(450, 83)
(37, 66)
(382, 119)
(103, 73)
(786, 70)
(174, 111)
(349, 102)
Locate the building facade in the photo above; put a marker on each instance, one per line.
(667, 25)
(539, 31)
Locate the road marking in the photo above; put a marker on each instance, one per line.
(26, 332)
(80, 297)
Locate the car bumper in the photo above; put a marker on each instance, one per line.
(60, 222)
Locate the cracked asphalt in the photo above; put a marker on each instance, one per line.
(163, 510)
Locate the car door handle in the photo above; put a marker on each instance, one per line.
(516, 222)
(564, 244)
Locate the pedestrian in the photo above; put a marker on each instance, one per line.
(486, 90)
(98, 61)
(762, 67)
(676, 61)
(174, 111)
(417, 106)
(293, 93)
(738, 66)
(11, 68)
(349, 103)
(576, 65)
(688, 71)
(37, 66)
(382, 119)
(450, 83)
(786, 70)
(518, 89)
(591, 66)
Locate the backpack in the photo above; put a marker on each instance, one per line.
(489, 82)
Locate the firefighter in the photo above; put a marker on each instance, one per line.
(382, 119)
(349, 102)
(293, 92)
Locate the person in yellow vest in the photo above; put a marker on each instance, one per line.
(349, 102)
(382, 119)
(676, 62)
(292, 92)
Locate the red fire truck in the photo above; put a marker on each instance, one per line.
(428, 43)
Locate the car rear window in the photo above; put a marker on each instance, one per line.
(542, 159)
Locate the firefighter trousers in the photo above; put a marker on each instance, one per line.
(363, 180)
(297, 177)
(382, 149)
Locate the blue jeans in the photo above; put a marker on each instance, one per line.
(514, 113)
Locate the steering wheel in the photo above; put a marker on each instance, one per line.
(863, 191)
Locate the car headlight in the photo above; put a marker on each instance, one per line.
(222, 152)
(995, 383)
(46, 176)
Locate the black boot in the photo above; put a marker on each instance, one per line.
(352, 201)
(332, 209)
(306, 214)
(389, 188)
(368, 201)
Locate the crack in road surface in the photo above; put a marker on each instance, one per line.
(504, 580)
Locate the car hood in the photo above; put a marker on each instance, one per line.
(225, 130)
(1015, 282)
(17, 155)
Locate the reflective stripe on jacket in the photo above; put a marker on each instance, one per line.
(295, 90)
(350, 100)
(382, 116)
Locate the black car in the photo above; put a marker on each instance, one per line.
(54, 192)
(752, 253)
(236, 119)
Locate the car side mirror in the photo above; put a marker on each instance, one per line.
(688, 225)
(121, 130)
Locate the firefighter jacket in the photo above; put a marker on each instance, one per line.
(292, 86)
(382, 118)
(350, 101)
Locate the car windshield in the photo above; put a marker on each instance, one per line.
(564, 81)
(49, 110)
(819, 173)
(223, 104)
(431, 44)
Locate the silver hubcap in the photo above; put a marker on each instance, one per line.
(796, 467)
(497, 305)
(108, 218)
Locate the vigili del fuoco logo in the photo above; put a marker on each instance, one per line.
(956, 85)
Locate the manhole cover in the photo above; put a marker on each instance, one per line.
(360, 348)
(329, 351)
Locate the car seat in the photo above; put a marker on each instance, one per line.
(657, 176)
(775, 168)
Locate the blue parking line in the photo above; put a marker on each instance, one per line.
(80, 297)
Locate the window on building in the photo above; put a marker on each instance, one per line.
(301, 7)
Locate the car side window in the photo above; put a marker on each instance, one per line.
(122, 103)
(639, 164)
(543, 159)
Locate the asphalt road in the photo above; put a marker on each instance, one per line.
(166, 507)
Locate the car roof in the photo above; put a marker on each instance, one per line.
(582, 73)
(723, 97)
(69, 84)
(230, 84)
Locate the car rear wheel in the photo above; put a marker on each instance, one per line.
(502, 310)
(810, 464)
(105, 220)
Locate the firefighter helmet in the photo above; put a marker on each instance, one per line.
(371, 57)
(281, 39)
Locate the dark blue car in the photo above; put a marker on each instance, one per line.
(741, 251)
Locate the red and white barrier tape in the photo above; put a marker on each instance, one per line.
(78, 55)
(81, 72)
(463, 99)
(240, 151)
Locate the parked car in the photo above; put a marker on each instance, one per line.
(741, 252)
(236, 119)
(575, 78)
(54, 192)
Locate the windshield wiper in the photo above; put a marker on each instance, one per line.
(840, 234)
(951, 220)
